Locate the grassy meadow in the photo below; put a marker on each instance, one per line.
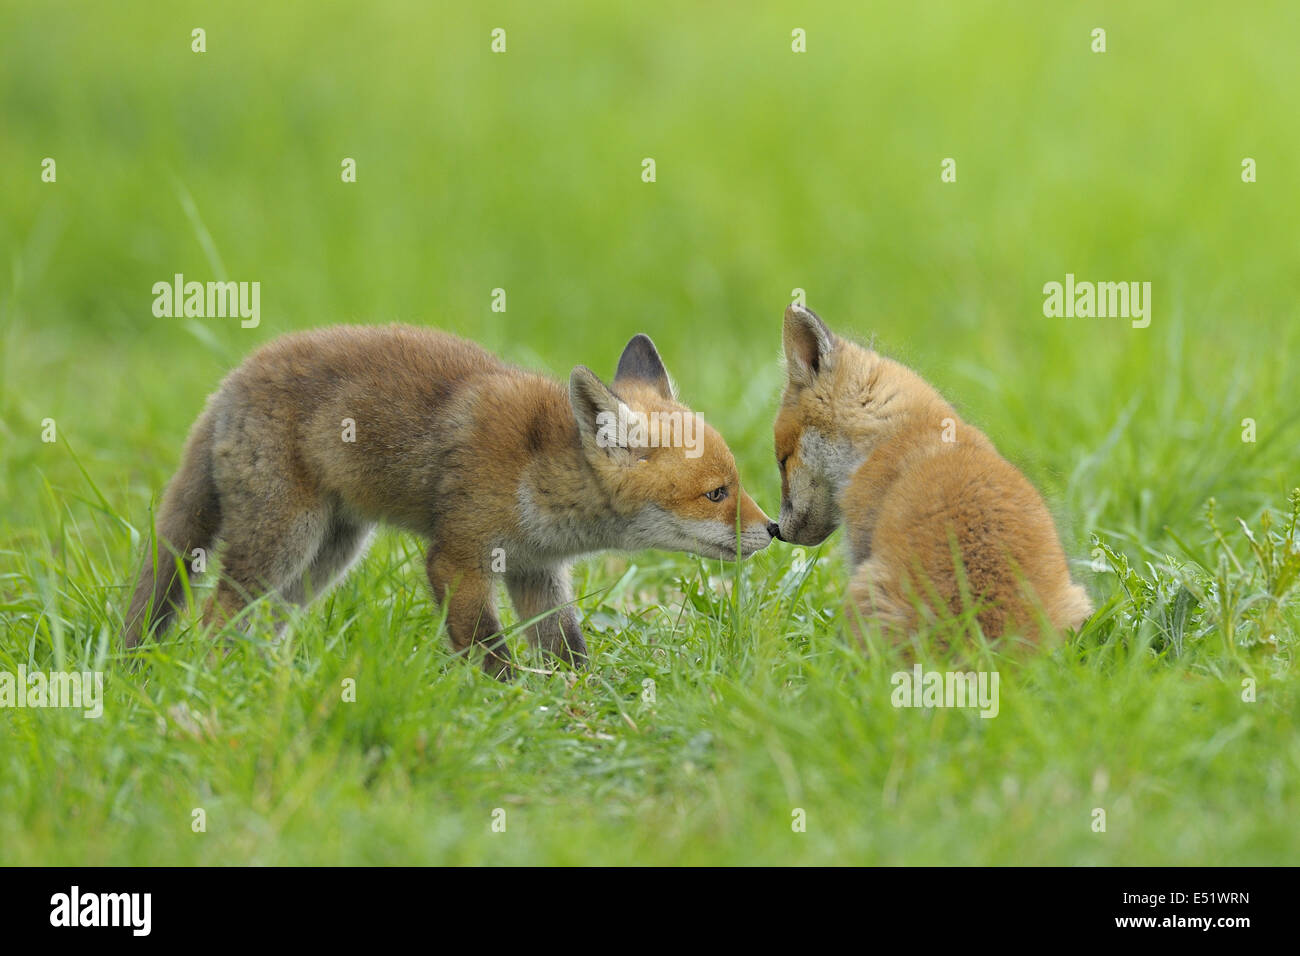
(1174, 711)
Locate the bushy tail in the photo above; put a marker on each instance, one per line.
(1074, 609)
(188, 518)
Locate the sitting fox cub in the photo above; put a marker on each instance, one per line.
(320, 435)
(861, 438)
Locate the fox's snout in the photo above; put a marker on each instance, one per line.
(809, 513)
(803, 530)
(757, 530)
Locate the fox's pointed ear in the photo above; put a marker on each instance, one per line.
(595, 407)
(808, 345)
(641, 362)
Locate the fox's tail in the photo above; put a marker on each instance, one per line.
(1076, 608)
(188, 518)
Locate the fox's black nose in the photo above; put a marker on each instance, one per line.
(774, 530)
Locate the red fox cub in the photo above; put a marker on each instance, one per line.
(320, 435)
(864, 440)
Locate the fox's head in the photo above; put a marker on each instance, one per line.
(838, 401)
(669, 476)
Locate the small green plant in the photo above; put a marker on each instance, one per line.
(1244, 600)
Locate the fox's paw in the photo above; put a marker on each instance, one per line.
(499, 668)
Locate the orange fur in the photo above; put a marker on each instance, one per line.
(934, 516)
(502, 471)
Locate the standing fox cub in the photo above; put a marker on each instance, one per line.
(864, 440)
(320, 435)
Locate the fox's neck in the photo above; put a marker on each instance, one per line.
(563, 510)
(900, 408)
(911, 422)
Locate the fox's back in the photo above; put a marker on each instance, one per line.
(305, 368)
(362, 413)
(964, 499)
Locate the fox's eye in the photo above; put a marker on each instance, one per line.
(781, 464)
(717, 494)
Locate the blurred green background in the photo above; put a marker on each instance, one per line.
(775, 171)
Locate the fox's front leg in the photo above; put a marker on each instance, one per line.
(539, 592)
(471, 611)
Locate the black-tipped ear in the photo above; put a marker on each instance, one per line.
(594, 405)
(641, 362)
(808, 344)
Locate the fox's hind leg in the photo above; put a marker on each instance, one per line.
(265, 551)
(273, 520)
(471, 610)
(877, 594)
(345, 540)
(537, 592)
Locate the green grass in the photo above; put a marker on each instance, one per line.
(774, 171)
